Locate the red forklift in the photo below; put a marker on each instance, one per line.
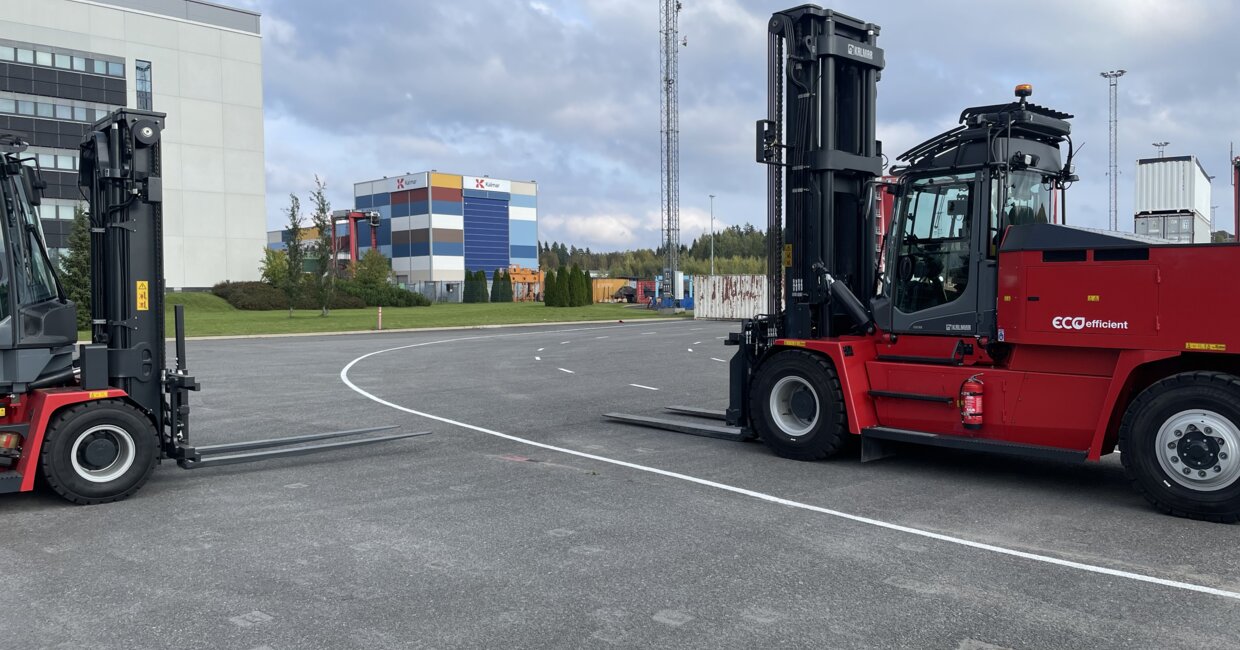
(984, 322)
(92, 423)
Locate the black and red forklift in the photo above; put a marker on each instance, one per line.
(983, 322)
(92, 421)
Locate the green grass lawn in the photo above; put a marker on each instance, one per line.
(209, 315)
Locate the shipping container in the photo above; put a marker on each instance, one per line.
(1172, 184)
(605, 288)
(1178, 227)
(729, 297)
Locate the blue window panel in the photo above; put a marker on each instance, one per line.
(342, 229)
(383, 198)
(386, 250)
(523, 201)
(449, 248)
(484, 194)
(400, 250)
(419, 249)
(277, 246)
(363, 234)
(524, 252)
(525, 263)
(364, 202)
(385, 211)
(446, 207)
(401, 210)
(523, 232)
(417, 207)
(385, 232)
(486, 234)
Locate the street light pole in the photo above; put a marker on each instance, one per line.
(712, 234)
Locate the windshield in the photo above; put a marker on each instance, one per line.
(34, 279)
(1027, 199)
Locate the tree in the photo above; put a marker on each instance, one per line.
(482, 286)
(496, 293)
(575, 297)
(373, 270)
(295, 252)
(549, 288)
(587, 289)
(75, 266)
(507, 286)
(324, 277)
(274, 268)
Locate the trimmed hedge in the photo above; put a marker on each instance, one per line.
(384, 295)
(252, 296)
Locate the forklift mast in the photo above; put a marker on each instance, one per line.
(120, 167)
(824, 67)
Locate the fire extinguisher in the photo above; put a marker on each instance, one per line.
(971, 402)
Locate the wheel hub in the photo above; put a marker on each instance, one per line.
(99, 453)
(794, 406)
(804, 404)
(1196, 449)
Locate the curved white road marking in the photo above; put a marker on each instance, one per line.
(567, 370)
(646, 387)
(762, 496)
(718, 359)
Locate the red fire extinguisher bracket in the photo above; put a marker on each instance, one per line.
(971, 402)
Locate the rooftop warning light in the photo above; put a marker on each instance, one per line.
(1024, 90)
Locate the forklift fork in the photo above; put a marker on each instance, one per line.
(242, 452)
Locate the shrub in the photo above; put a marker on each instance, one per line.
(337, 301)
(251, 296)
(383, 295)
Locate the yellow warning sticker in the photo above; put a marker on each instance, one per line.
(1093, 298)
(144, 295)
(1206, 347)
(3, 412)
(787, 255)
(1007, 299)
(795, 344)
(98, 394)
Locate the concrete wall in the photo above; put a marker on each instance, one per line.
(209, 81)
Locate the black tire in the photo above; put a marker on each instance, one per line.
(1180, 438)
(96, 452)
(797, 406)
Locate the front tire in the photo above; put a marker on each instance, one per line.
(797, 406)
(96, 452)
(1181, 445)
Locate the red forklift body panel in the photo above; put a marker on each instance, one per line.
(37, 409)
(1169, 298)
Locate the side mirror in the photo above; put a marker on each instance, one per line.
(34, 185)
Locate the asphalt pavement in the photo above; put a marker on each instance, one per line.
(527, 521)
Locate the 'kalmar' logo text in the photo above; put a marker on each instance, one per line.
(1082, 323)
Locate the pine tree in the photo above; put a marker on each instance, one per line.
(75, 266)
(549, 289)
(496, 296)
(574, 287)
(469, 293)
(482, 286)
(507, 286)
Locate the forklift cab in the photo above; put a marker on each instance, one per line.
(954, 203)
(37, 324)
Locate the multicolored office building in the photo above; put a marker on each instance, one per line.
(435, 227)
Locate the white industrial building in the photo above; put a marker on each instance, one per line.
(64, 63)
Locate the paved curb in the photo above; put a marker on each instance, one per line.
(427, 329)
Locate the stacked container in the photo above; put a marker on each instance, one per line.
(1173, 200)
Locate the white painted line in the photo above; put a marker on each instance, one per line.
(540, 349)
(646, 387)
(721, 338)
(565, 342)
(538, 358)
(697, 342)
(599, 337)
(691, 349)
(645, 333)
(717, 359)
(695, 329)
(762, 496)
(567, 370)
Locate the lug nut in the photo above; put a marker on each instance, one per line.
(1222, 455)
(1209, 430)
(1178, 433)
(1170, 445)
(1218, 468)
(1175, 459)
(1188, 471)
(1192, 427)
(1202, 474)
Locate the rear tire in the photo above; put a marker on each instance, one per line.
(1181, 445)
(797, 406)
(96, 452)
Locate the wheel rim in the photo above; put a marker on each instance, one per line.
(103, 453)
(1197, 449)
(785, 396)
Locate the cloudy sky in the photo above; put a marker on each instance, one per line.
(565, 92)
